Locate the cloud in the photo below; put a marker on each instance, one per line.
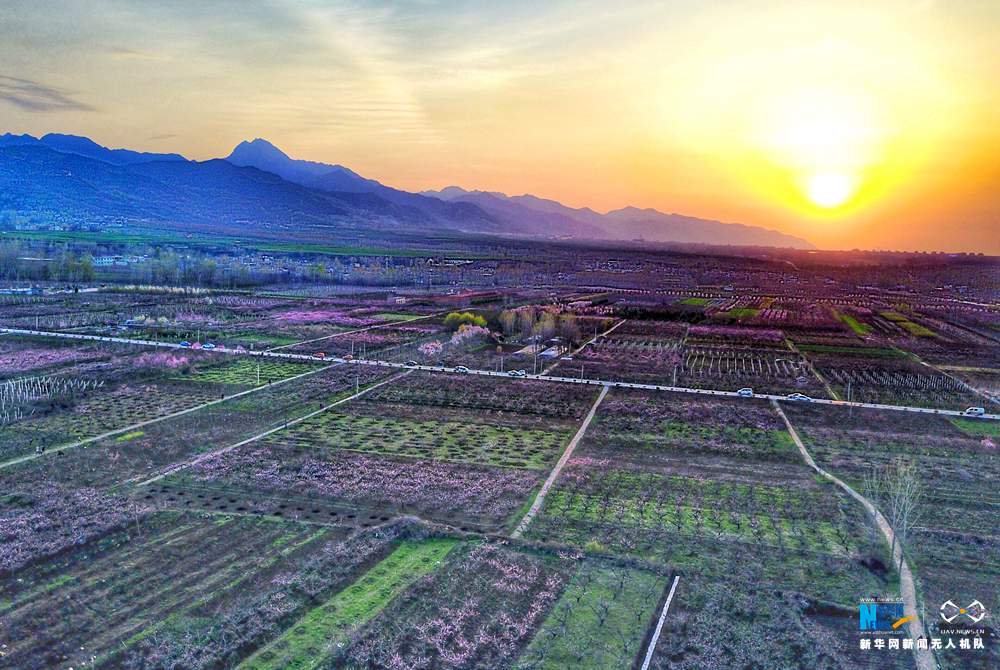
(38, 97)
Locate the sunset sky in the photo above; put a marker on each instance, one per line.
(870, 124)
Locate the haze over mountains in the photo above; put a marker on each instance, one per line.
(65, 177)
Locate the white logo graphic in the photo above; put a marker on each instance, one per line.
(975, 610)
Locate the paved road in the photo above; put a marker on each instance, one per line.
(494, 373)
(924, 657)
(659, 625)
(554, 475)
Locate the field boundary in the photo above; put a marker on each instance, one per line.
(924, 657)
(544, 491)
(177, 467)
(142, 424)
(356, 330)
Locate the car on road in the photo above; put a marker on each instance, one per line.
(348, 357)
(517, 373)
(208, 345)
(185, 343)
(745, 392)
(799, 397)
(974, 411)
(319, 354)
(412, 363)
(461, 368)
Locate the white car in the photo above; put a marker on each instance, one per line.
(974, 411)
(208, 345)
(745, 392)
(799, 397)
(461, 368)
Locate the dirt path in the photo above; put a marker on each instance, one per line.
(177, 467)
(924, 657)
(148, 422)
(540, 498)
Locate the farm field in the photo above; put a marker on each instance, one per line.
(954, 551)
(175, 563)
(676, 354)
(97, 411)
(313, 637)
(244, 372)
(381, 455)
(298, 526)
(727, 500)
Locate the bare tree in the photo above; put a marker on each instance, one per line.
(898, 490)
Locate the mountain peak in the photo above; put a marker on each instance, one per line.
(255, 149)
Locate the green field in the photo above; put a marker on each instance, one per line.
(305, 644)
(440, 440)
(741, 313)
(394, 316)
(697, 302)
(214, 242)
(859, 328)
(599, 622)
(978, 427)
(244, 371)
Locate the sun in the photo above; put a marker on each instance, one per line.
(829, 190)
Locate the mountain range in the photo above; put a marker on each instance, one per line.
(71, 178)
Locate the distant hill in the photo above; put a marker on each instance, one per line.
(263, 155)
(83, 146)
(38, 182)
(69, 178)
(629, 223)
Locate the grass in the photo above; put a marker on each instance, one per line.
(860, 329)
(440, 440)
(137, 236)
(130, 436)
(393, 316)
(916, 329)
(978, 427)
(306, 644)
(580, 633)
(698, 302)
(243, 371)
(741, 313)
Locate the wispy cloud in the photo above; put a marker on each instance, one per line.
(38, 97)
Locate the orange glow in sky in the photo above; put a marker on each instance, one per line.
(850, 123)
